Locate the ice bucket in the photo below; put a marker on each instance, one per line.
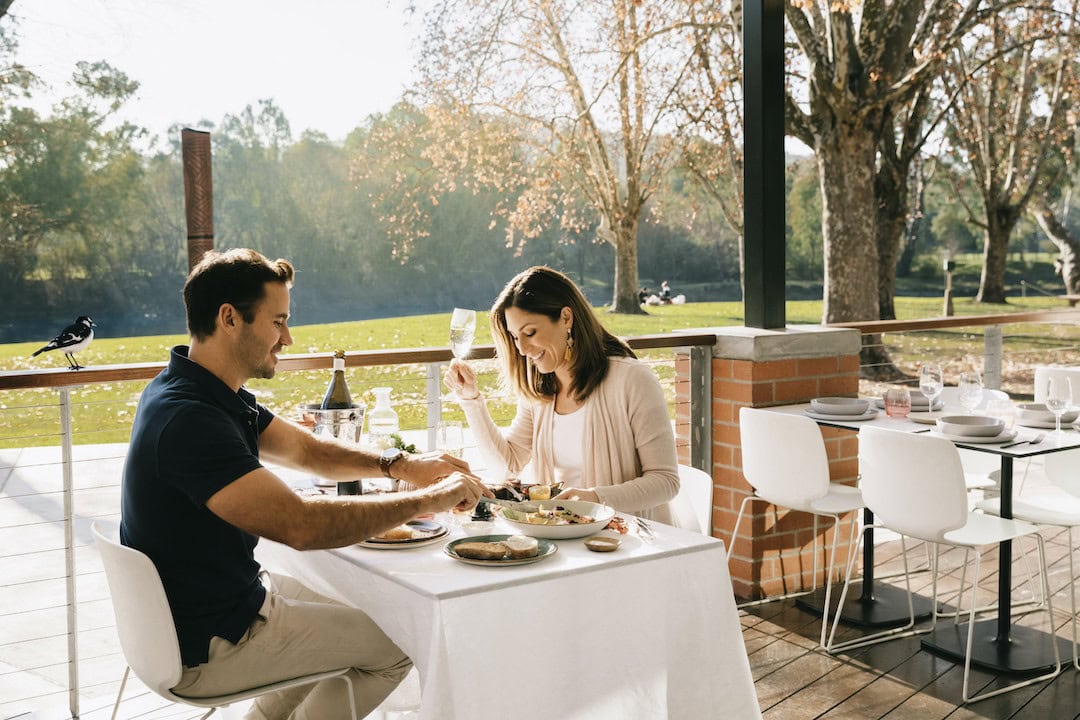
(346, 425)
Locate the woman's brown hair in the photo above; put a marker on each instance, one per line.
(544, 291)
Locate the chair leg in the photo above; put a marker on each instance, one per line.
(1072, 598)
(120, 695)
(352, 696)
(892, 633)
(1050, 621)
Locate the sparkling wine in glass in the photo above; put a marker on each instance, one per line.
(462, 332)
(970, 391)
(1058, 398)
(931, 383)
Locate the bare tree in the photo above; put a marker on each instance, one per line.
(860, 80)
(588, 87)
(1011, 81)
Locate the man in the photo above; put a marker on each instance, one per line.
(196, 499)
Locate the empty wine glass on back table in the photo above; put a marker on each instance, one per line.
(931, 383)
(462, 332)
(1058, 398)
(970, 391)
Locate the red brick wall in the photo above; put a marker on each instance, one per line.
(773, 553)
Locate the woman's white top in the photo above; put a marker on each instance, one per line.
(569, 456)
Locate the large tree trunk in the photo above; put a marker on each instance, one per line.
(625, 298)
(891, 192)
(846, 175)
(1000, 223)
(1068, 245)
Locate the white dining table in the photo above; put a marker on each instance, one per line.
(999, 645)
(649, 631)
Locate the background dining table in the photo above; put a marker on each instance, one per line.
(998, 645)
(649, 631)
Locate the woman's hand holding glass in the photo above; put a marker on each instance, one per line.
(461, 380)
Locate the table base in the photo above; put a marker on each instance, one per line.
(1027, 652)
(887, 606)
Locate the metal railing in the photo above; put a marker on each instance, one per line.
(49, 421)
(911, 342)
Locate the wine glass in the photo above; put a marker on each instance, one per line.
(462, 332)
(1058, 398)
(970, 391)
(931, 383)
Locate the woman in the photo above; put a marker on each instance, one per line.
(589, 413)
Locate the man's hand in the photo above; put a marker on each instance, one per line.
(459, 491)
(428, 468)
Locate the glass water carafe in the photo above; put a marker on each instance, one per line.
(382, 420)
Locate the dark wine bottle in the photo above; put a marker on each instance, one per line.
(337, 394)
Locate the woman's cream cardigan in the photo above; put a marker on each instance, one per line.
(628, 445)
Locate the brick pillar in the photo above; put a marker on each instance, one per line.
(773, 554)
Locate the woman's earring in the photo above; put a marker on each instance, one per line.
(569, 354)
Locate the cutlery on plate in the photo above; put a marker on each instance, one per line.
(1032, 441)
(496, 501)
(643, 529)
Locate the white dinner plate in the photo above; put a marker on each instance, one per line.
(425, 532)
(868, 415)
(1046, 425)
(545, 548)
(977, 439)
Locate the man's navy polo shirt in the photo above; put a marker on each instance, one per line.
(193, 436)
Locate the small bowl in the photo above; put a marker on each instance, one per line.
(839, 405)
(478, 527)
(1037, 412)
(971, 425)
(602, 543)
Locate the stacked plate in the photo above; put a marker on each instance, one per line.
(841, 408)
(1036, 415)
(974, 429)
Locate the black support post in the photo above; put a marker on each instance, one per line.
(763, 154)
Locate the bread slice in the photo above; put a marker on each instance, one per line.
(522, 546)
(475, 550)
(401, 532)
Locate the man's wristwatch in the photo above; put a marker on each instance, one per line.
(389, 457)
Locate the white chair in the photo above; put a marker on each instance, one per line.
(148, 636)
(1057, 505)
(785, 462)
(914, 485)
(1044, 373)
(692, 506)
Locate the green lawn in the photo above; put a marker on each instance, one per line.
(103, 413)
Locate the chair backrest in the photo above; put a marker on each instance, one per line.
(143, 619)
(914, 484)
(692, 507)
(783, 457)
(1043, 374)
(1063, 469)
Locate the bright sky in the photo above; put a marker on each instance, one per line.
(327, 63)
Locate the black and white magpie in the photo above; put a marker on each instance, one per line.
(74, 338)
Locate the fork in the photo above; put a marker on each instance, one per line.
(643, 529)
(1033, 441)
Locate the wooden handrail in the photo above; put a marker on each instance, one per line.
(873, 327)
(62, 377)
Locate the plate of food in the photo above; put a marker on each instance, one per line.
(500, 550)
(415, 533)
(558, 519)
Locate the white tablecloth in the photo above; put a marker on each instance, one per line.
(647, 632)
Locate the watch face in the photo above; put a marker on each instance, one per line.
(391, 453)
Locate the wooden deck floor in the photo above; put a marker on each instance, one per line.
(897, 679)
